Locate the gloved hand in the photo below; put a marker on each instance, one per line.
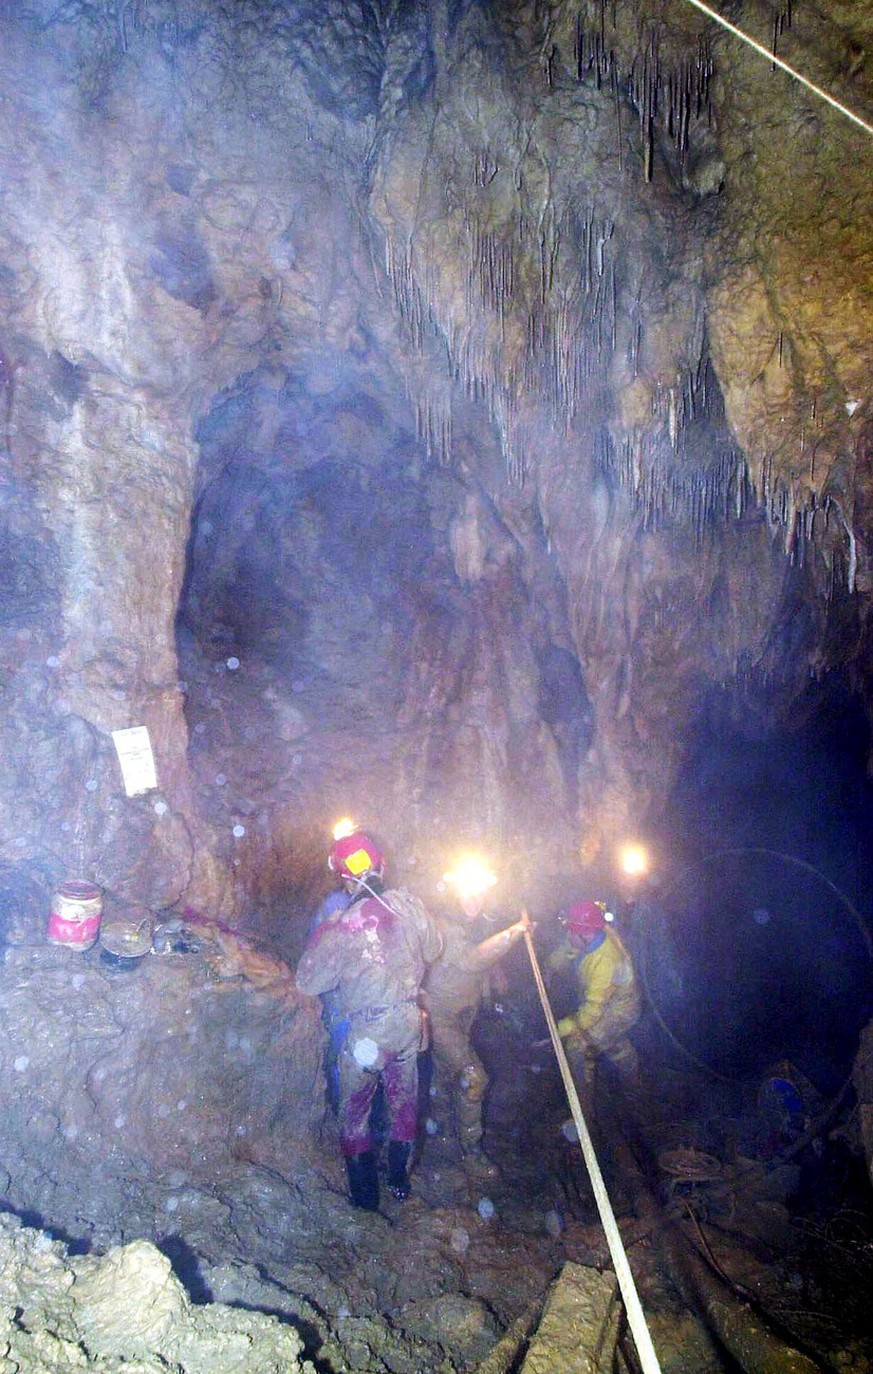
(566, 1026)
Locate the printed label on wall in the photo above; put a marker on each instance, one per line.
(134, 749)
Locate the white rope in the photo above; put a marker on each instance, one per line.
(636, 1319)
(771, 57)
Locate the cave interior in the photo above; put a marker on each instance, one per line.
(454, 415)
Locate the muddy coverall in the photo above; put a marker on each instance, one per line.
(373, 955)
(453, 990)
(609, 1005)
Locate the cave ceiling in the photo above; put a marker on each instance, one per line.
(487, 383)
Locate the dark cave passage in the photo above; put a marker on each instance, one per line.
(757, 944)
(340, 595)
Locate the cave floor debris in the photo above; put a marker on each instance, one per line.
(434, 1283)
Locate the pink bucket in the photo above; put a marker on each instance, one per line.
(75, 915)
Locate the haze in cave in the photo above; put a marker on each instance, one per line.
(454, 416)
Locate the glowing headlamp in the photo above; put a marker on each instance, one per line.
(471, 878)
(344, 827)
(634, 860)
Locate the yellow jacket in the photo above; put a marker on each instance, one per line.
(610, 995)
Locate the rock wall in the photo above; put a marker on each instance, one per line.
(129, 1093)
(514, 366)
(124, 1308)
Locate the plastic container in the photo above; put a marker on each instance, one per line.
(124, 944)
(77, 909)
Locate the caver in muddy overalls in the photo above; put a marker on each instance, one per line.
(373, 955)
(609, 1003)
(453, 992)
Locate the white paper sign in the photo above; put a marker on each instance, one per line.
(134, 749)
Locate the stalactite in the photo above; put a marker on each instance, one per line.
(740, 494)
(613, 302)
(433, 426)
(603, 452)
(587, 241)
(514, 448)
(687, 85)
(766, 476)
(636, 342)
(781, 22)
(672, 418)
(697, 499)
(688, 95)
(644, 84)
(831, 504)
(414, 313)
(570, 313)
(591, 53)
(696, 392)
(492, 268)
(485, 167)
(812, 458)
(549, 248)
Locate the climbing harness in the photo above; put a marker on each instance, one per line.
(376, 1013)
(777, 61)
(635, 1316)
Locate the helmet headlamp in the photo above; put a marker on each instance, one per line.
(472, 877)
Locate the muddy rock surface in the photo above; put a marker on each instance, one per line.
(146, 1226)
(123, 1311)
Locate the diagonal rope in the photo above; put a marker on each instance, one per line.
(633, 1307)
(777, 61)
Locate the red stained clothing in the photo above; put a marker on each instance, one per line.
(373, 956)
(374, 953)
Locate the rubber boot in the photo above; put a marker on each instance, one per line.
(398, 1168)
(364, 1181)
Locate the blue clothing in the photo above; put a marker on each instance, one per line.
(329, 906)
(337, 1026)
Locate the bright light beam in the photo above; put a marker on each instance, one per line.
(634, 860)
(471, 877)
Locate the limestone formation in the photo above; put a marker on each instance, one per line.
(423, 411)
(280, 293)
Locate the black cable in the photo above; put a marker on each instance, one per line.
(863, 930)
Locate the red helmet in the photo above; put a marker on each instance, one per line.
(354, 856)
(585, 919)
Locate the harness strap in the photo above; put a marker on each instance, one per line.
(374, 1013)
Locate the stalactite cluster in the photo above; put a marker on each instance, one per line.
(698, 499)
(781, 22)
(543, 305)
(556, 281)
(667, 95)
(526, 280)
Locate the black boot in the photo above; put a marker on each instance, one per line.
(364, 1181)
(398, 1167)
